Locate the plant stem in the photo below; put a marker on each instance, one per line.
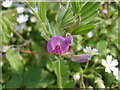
(37, 16)
(59, 75)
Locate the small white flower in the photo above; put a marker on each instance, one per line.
(109, 64)
(76, 76)
(89, 50)
(116, 73)
(19, 27)
(33, 19)
(90, 34)
(20, 9)
(35, 9)
(7, 3)
(22, 18)
(105, 11)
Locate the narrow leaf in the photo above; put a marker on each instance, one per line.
(42, 10)
(83, 29)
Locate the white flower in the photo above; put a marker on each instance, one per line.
(109, 64)
(19, 27)
(35, 9)
(33, 19)
(116, 73)
(89, 50)
(76, 76)
(7, 3)
(105, 11)
(22, 18)
(90, 34)
(20, 9)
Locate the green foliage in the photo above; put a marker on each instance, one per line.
(65, 17)
(101, 45)
(83, 29)
(42, 10)
(14, 59)
(6, 20)
(40, 78)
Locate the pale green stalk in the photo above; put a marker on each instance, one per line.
(59, 75)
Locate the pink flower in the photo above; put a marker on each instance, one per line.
(57, 44)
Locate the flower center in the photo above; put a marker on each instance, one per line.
(57, 50)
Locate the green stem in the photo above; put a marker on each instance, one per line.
(82, 81)
(86, 65)
(37, 16)
(59, 75)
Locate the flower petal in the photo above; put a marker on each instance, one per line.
(114, 62)
(107, 70)
(55, 41)
(109, 58)
(103, 62)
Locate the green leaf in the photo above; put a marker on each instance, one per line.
(42, 10)
(2, 35)
(33, 2)
(86, 7)
(76, 6)
(90, 18)
(14, 82)
(65, 18)
(70, 84)
(102, 45)
(64, 72)
(83, 29)
(90, 11)
(95, 22)
(14, 59)
(39, 77)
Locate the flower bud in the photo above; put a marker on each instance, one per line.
(80, 58)
(69, 38)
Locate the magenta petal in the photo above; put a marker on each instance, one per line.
(81, 58)
(57, 44)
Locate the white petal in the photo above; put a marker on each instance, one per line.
(103, 62)
(114, 62)
(109, 58)
(115, 71)
(95, 51)
(84, 50)
(107, 70)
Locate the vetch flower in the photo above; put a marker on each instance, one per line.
(22, 18)
(57, 44)
(76, 76)
(80, 58)
(20, 9)
(7, 3)
(89, 50)
(109, 64)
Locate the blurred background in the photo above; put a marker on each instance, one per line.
(26, 63)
